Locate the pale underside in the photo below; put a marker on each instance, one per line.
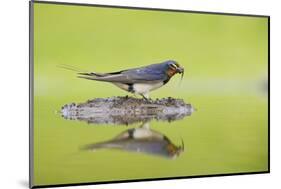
(141, 88)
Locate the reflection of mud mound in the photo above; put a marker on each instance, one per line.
(126, 110)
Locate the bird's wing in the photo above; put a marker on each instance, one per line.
(138, 75)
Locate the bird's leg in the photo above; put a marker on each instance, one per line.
(144, 97)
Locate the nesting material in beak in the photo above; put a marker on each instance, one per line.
(180, 70)
(182, 73)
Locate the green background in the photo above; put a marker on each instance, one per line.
(225, 60)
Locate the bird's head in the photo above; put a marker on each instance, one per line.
(174, 151)
(172, 68)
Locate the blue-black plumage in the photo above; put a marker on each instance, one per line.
(140, 80)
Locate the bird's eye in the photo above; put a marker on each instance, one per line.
(173, 66)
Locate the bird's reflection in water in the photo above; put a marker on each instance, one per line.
(141, 140)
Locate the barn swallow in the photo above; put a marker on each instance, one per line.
(140, 80)
(141, 140)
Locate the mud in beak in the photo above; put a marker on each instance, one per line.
(180, 70)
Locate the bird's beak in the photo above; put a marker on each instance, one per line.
(180, 70)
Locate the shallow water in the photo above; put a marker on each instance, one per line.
(232, 139)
